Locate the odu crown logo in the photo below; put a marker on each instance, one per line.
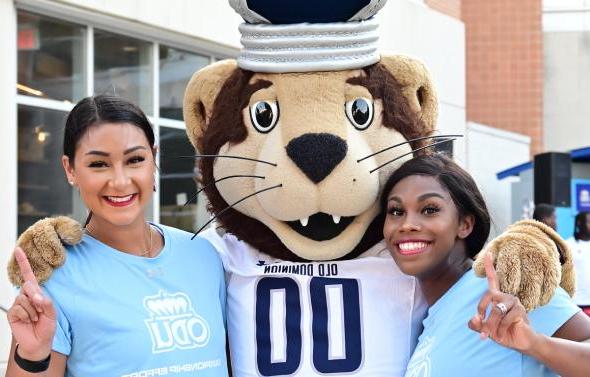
(174, 324)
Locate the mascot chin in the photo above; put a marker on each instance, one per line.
(297, 138)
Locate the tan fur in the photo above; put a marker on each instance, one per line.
(200, 94)
(414, 76)
(309, 103)
(527, 262)
(42, 243)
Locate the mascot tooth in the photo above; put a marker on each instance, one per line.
(318, 119)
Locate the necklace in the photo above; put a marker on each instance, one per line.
(146, 253)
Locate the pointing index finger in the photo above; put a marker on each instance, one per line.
(26, 271)
(491, 272)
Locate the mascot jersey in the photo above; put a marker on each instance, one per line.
(353, 317)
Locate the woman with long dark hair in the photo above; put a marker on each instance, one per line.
(436, 222)
(133, 298)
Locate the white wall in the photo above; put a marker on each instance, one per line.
(213, 20)
(489, 151)
(566, 15)
(566, 27)
(409, 27)
(566, 90)
(8, 153)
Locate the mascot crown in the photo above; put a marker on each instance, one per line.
(304, 35)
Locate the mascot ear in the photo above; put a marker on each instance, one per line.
(200, 95)
(416, 85)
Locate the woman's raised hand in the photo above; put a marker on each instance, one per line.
(32, 316)
(507, 323)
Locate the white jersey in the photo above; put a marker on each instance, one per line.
(581, 258)
(357, 317)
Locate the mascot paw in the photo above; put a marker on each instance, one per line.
(531, 260)
(43, 245)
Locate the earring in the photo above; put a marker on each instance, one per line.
(71, 183)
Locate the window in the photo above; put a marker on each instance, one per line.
(50, 58)
(122, 66)
(178, 203)
(445, 147)
(176, 69)
(42, 187)
(61, 62)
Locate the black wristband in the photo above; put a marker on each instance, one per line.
(31, 366)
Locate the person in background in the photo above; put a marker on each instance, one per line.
(580, 245)
(545, 213)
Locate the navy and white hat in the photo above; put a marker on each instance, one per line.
(306, 35)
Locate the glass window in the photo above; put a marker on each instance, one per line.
(123, 66)
(51, 60)
(176, 69)
(177, 181)
(42, 187)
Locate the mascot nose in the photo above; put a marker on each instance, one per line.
(317, 154)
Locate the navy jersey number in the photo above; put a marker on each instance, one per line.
(290, 326)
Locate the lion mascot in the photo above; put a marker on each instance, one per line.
(295, 140)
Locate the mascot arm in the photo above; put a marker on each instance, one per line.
(531, 260)
(43, 243)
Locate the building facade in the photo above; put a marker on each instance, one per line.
(566, 114)
(59, 51)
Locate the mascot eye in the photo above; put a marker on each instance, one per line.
(264, 115)
(360, 113)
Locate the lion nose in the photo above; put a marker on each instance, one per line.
(317, 154)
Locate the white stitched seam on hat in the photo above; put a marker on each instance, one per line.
(318, 58)
(340, 33)
(323, 34)
(365, 14)
(248, 14)
(303, 48)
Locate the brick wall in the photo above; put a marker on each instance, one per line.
(449, 7)
(505, 65)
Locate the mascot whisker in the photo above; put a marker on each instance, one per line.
(412, 152)
(196, 194)
(217, 215)
(408, 142)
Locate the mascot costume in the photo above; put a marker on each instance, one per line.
(295, 140)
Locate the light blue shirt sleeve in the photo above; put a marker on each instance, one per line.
(547, 319)
(62, 340)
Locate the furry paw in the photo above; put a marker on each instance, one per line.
(531, 260)
(43, 245)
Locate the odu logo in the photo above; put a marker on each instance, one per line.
(174, 324)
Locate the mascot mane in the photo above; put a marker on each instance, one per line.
(225, 125)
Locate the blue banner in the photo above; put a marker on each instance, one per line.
(582, 195)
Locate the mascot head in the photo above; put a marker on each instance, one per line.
(306, 125)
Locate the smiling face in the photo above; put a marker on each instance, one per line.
(308, 183)
(327, 198)
(423, 228)
(113, 168)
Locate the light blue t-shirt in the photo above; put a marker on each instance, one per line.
(129, 316)
(447, 347)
